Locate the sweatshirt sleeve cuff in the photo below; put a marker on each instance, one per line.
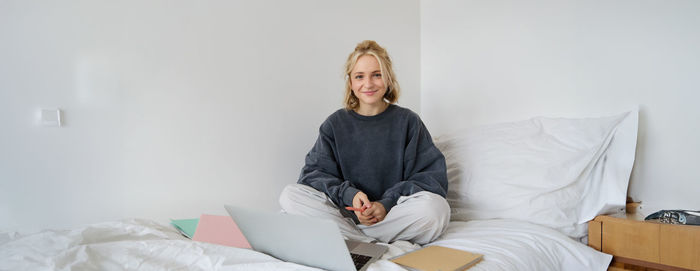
(388, 203)
(348, 195)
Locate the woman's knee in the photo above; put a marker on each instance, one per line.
(290, 195)
(436, 210)
(294, 195)
(435, 216)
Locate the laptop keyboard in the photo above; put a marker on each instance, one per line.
(359, 260)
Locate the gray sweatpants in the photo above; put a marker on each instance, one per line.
(419, 218)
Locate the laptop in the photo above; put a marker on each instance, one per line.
(304, 240)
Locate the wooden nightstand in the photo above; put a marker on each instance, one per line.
(645, 245)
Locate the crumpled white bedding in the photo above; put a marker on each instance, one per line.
(147, 245)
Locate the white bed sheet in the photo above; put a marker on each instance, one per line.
(517, 245)
(138, 244)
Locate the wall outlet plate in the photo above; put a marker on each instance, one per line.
(51, 117)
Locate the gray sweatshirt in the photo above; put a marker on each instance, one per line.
(385, 156)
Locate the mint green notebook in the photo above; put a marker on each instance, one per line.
(185, 226)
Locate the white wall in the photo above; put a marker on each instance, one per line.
(174, 108)
(493, 61)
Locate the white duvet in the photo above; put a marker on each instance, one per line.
(147, 245)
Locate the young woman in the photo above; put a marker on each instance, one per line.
(375, 158)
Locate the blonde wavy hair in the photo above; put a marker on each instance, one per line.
(370, 47)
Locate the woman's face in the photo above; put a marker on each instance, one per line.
(366, 82)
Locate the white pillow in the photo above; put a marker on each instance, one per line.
(554, 172)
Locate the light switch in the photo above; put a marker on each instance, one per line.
(51, 117)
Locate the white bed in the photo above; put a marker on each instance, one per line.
(147, 245)
(521, 194)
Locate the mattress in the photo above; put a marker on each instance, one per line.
(148, 245)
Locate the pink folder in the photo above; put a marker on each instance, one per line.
(220, 230)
